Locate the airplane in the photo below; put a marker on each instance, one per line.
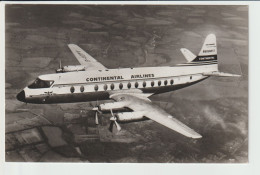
(129, 88)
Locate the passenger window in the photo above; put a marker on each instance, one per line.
(81, 88)
(144, 84)
(165, 82)
(190, 77)
(112, 86)
(96, 87)
(159, 83)
(120, 86)
(152, 83)
(171, 81)
(129, 85)
(136, 84)
(105, 87)
(72, 89)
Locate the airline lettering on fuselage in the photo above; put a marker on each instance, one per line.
(142, 76)
(91, 79)
(105, 78)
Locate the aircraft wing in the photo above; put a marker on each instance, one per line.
(139, 102)
(85, 59)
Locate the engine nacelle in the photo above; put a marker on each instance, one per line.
(108, 106)
(71, 69)
(130, 116)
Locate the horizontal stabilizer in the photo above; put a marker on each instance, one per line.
(221, 74)
(188, 54)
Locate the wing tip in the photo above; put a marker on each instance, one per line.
(71, 44)
(196, 136)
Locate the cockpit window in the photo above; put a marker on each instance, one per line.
(38, 83)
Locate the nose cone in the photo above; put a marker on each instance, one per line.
(21, 96)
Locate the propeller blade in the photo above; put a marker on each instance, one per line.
(96, 118)
(118, 127)
(113, 121)
(96, 107)
(111, 126)
(112, 114)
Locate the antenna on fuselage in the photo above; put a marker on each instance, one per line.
(60, 67)
(60, 64)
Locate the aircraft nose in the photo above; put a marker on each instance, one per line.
(21, 96)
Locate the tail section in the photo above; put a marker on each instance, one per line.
(207, 58)
(207, 55)
(208, 52)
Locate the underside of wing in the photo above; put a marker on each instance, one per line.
(153, 112)
(85, 59)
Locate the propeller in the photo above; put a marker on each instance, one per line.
(113, 120)
(96, 109)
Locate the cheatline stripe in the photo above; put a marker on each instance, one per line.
(200, 63)
(204, 61)
(196, 64)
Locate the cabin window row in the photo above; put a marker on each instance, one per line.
(129, 85)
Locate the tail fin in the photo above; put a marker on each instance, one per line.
(206, 57)
(208, 52)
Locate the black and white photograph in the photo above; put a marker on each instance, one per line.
(126, 83)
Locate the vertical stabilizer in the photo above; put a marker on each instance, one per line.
(208, 54)
(209, 47)
(207, 58)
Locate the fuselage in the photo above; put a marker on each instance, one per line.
(94, 85)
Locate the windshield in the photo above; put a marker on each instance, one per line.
(38, 83)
